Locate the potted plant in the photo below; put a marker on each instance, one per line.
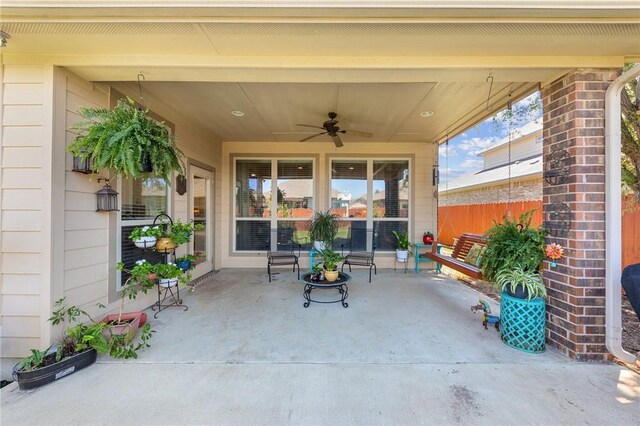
(427, 238)
(76, 350)
(146, 236)
(181, 233)
(125, 139)
(323, 228)
(403, 246)
(187, 262)
(169, 274)
(330, 261)
(511, 244)
(142, 278)
(520, 283)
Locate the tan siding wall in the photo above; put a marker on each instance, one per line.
(423, 211)
(24, 208)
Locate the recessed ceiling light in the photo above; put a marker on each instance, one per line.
(351, 168)
(253, 175)
(426, 114)
(300, 167)
(237, 113)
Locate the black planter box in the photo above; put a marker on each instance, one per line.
(41, 376)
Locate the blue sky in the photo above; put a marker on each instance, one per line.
(463, 150)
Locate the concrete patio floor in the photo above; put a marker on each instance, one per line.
(407, 350)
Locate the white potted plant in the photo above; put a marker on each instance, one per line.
(145, 237)
(403, 246)
(169, 274)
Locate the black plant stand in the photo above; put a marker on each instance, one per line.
(167, 296)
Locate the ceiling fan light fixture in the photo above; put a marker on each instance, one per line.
(237, 113)
(426, 114)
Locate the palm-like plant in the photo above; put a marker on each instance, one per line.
(531, 282)
(123, 139)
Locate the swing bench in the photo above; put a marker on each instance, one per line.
(457, 259)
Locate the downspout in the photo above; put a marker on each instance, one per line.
(613, 209)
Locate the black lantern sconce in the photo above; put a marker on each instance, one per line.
(82, 165)
(107, 197)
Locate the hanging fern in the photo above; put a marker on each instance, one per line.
(122, 138)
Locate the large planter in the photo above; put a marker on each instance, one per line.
(130, 324)
(41, 376)
(402, 255)
(330, 276)
(145, 242)
(519, 293)
(522, 323)
(165, 245)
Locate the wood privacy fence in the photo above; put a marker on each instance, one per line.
(454, 221)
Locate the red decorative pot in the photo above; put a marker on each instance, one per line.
(427, 239)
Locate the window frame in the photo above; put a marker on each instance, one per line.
(273, 205)
(370, 219)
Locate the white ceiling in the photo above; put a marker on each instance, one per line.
(377, 69)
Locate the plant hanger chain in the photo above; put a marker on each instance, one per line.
(510, 116)
(141, 76)
(490, 81)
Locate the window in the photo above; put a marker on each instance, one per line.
(372, 197)
(268, 215)
(141, 201)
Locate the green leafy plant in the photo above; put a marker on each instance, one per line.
(189, 257)
(529, 280)
(402, 241)
(330, 259)
(181, 233)
(428, 234)
(512, 244)
(123, 139)
(140, 279)
(145, 231)
(323, 227)
(123, 346)
(167, 270)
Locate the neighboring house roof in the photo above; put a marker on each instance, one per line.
(297, 188)
(529, 167)
(521, 133)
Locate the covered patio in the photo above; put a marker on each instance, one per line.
(407, 350)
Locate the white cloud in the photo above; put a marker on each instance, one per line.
(452, 152)
(474, 145)
(449, 175)
(470, 163)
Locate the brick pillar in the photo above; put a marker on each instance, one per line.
(574, 121)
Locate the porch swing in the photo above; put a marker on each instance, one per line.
(461, 260)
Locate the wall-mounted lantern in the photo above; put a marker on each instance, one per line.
(107, 197)
(82, 165)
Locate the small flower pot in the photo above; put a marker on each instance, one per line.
(168, 282)
(331, 276)
(427, 239)
(165, 245)
(145, 242)
(402, 255)
(185, 265)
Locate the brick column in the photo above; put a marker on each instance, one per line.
(574, 122)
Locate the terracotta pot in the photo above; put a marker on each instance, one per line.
(331, 276)
(130, 324)
(165, 245)
(152, 276)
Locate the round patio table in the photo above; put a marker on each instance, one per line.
(340, 284)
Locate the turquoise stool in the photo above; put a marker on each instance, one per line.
(522, 323)
(312, 253)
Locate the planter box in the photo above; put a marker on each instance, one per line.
(41, 376)
(131, 327)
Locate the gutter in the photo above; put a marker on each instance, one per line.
(613, 211)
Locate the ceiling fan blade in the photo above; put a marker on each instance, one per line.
(360, 133)
(309, 125)
(312, 136)
(337, 141)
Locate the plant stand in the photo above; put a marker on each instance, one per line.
(405, 262)
(522, 323)
(167, 296)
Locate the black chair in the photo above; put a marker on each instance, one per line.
(285, 253)
(356, 250)
(631, 284)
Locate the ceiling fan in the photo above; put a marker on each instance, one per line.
(330, 128)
